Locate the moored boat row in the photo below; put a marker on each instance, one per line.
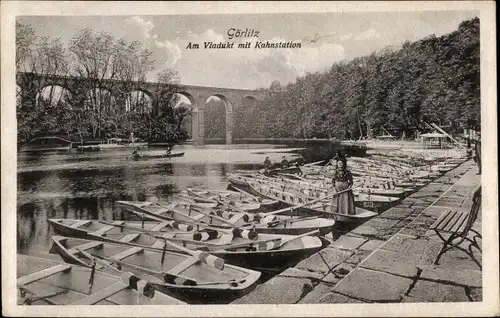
(210, 246)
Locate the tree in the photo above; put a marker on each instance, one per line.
(110, 66)
(167, 76)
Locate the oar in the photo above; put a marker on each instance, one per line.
(97, 258)
(217, 217)
(251, 244)
(143, 287)
(209, 259)
(305, 218)
(305, 204)
(274, 223)
(236, 231)
(296, 237)
(220, 202)
(167, 277)
(270, 244)
(246, 216)
(170, 223)
(199, 211)
(313, 163)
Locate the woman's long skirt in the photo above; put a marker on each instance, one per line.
(345, 201)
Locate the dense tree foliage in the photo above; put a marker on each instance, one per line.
(435, 79)
(112, 105)
(215, 119)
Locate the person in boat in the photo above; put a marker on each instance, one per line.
(267, 163)
(339, 156)
(169, 151)
(299, 161)
(342, 180)
(284, 163)
(135, 154)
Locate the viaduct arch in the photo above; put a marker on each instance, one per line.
(32, 83)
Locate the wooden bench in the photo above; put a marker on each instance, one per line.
(458, 225)
(36, 276)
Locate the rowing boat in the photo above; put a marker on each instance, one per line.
(46, 282)
(241, 248)
(224, 198)
(146, 157)
(188, 213)
(88, 148)
(361, 199)
(243, 200)
(88, 228)
(280, 170)
(317, 209)
(278, 224)
(362, 186)
(369, 185)
(175, 274)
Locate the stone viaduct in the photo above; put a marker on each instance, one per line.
(32, 83)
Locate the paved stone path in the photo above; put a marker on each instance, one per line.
(390, 257)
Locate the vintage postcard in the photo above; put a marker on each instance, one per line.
(249, 159)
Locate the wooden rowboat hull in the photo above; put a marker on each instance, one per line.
(360, 216)
(362, 200)
(273, 259)
(191, 294)
(297, 227)
(40, 277)
(285, 251)
(146, 157)
(283, 170)
(248, 207)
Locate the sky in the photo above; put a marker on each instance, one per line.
(326, 38)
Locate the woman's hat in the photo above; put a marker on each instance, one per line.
(339, 156)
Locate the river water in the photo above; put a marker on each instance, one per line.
(86, 185)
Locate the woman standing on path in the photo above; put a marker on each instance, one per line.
(342, 180)
(477, 149)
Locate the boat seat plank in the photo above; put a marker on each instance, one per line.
(33, 277)
(127, 253)
(103, 230)
(102, 294)
(129, 237)
(183, 266)
(80, 223)
(84, 247)
(160, 226)
(198, 217)
(160, 211)
(235, 218)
